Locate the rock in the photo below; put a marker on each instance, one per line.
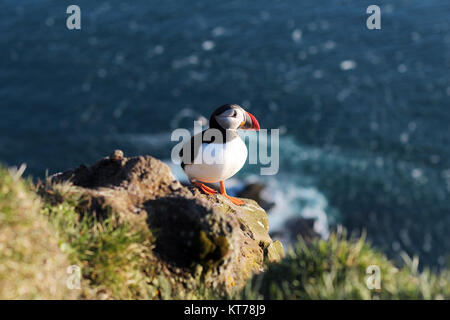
(116, 155)
(198, 236)
(254, 191)
(303, 227)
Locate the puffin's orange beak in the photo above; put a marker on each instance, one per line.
(255, 123)
(250, 122)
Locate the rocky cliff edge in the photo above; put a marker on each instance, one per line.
(197, 236)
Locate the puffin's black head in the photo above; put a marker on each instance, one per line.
(233, 117)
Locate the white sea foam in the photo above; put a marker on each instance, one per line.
(293, 200)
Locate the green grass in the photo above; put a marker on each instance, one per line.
(336, 269)
(32, 265)
(114, 255)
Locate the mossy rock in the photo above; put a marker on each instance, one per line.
(197, 237)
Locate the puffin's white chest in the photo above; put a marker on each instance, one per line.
(218, 161)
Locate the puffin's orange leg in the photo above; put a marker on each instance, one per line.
(223, 191)
(204, 188)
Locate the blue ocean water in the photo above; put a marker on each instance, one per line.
(363, 114)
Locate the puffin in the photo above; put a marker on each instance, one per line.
(230, 150)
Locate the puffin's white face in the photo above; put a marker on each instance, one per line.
(231, 119)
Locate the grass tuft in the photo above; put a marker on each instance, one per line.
(339, 268)
(32, 266)
(113, 254)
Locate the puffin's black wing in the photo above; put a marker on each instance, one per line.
(194, 149)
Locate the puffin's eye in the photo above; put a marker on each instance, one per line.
(228, 113)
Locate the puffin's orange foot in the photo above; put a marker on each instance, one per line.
(204, 188)
(236, 201)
